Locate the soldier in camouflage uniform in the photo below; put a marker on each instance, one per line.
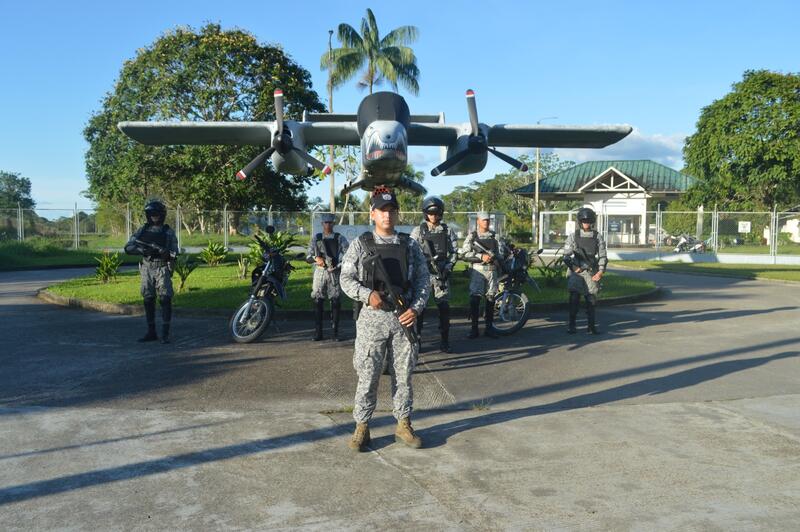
(485, 273)
(585, 257)
(325, 251)
(440, 246)
(158, 245)
(380, 332)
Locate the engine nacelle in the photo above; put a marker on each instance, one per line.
(291, 162)
(472, 163)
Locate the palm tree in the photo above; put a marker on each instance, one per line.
(386, 59)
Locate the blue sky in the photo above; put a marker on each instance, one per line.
(653, 65)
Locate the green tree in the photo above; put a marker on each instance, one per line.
(746, 151)
(15, 190)
(495, 194)
(208, 75)
(386, 58)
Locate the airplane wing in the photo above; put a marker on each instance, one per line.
(238, 133)
(552, 136)
(163, 133)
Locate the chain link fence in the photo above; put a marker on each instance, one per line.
(110, 229)
(700, 231)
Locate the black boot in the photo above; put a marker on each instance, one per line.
(319, 307)
(590, 314)
(166, 318)
(336, 307)
(574, 303)
(474, 309)
(444, 327)
(150, 315)
(488, 316)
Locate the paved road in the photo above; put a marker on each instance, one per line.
(684, 415)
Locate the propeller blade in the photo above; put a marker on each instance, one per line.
(449, 162)
(519, 165)
(472, 108)
(279, 109)
(255, 163)
(316, 163)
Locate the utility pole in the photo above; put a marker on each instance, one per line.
(535, 216)
(330, 110)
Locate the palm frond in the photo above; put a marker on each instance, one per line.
(349, 37)
(401, 35)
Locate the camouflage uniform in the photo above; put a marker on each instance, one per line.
(325, 282)
(156, 273)
(484, 278)
(441, 291)
(378, 332)
(593, 247)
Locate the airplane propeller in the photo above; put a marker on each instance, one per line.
(282, 143)
(476, 143)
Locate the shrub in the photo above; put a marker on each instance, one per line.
(552, 271)
(213, 254)
(243, 265)
(184, 266)
(108, 266)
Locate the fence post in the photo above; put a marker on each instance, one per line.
(658, 230)
(699, 226)
(540, 230)
(773, 234)
(77, 229)
(178, 225)
(225, 225)
(128, 221)
(19, 221)
(715, 229)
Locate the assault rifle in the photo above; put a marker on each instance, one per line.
(396, 302)
(578, 259)
(477, 246)
(440, 273)
(155, 250)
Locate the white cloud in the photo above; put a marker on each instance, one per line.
(664, 149)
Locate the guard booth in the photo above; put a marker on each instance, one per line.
(618, 191)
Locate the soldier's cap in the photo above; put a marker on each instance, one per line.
(483, 215)
(327, 217)
(383, 196)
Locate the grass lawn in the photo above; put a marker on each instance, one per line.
(37, 254)
(219, 288)
(746, 271)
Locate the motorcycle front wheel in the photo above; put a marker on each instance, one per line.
(247, 326)
(511, 312)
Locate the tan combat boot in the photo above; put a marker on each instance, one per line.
(404, 433)
(360, 439)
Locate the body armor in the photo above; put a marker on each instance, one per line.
(489, 243)
(394, 258)
(439, 241)
(328, 247)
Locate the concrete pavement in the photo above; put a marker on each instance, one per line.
(684, 415)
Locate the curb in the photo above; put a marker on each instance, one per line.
(461, 312)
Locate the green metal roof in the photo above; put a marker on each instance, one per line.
(652, 176)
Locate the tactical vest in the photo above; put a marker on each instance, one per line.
(588, 244)
(489, 243)
(439, 241)
(394, 258)
(328, 247)
(155, 237)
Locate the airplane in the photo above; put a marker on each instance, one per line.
(384, 128)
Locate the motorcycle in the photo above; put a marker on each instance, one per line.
(689, 244)
(266, 283)
(511, 306)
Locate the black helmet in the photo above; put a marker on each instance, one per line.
(433, 205)
(586, 214)
(155, 207)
